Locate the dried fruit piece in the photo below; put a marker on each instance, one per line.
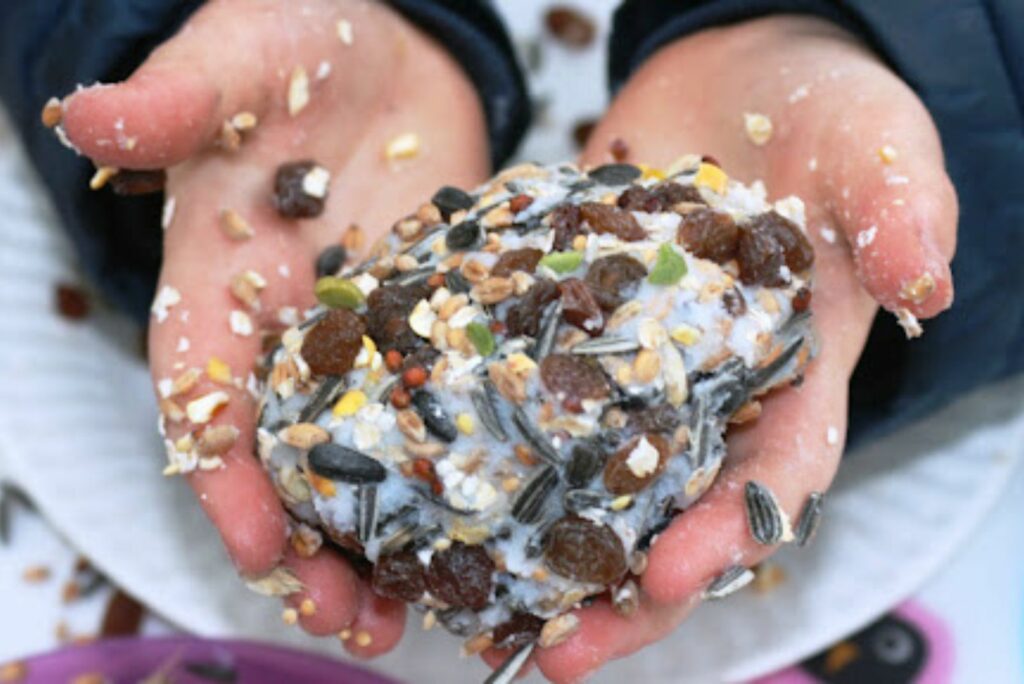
(481, 337)
(300, 189)
(709, 234)
(573, 378)
(338, 293)
(584, 551)
(611, 279)
(461, 576)
(637, 464)
(579, 307)
(387, 315)
(670, 267)
(768, 242)
(567, 222)
(604, 218)
(523, 317)
(524, 259)
(332, 345)
(520, 629)
(399, 576)
(562, 262)
(71, 301)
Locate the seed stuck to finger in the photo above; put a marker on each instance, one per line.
(102, 176)
(298, 91)
(732, 579)
(764, 515)
(234, 226)
(809, 519)
(53, 113)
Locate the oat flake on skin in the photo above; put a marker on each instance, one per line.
(241, 323)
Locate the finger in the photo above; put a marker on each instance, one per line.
(378, 627)
(885, 183)
(605, 635)
(329, 601)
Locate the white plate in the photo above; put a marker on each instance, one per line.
(77, 432)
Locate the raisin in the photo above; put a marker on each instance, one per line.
(399, 576)
(524, 259)
(330, 261)
(129, 182)
(802, 300)
(611, 279)
(709, 234)
(519, 630)
(71, 301)
(768, 242)
(734, 302)
(670, 194)
(567, 222)
(620, 479)
(584, 551)
(573, 377)
(579, 308)
(290, 196)
(657, 418)
(331, 347)
(523, 317)
(461, 576)
(604, 218)
(387, 316)
(639, 198)
(570, 26)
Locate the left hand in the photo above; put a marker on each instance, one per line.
(834, 107)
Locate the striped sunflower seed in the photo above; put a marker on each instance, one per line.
(732, 579)
(809, 519)
(530, 503)
(608, 344)
(764, 515)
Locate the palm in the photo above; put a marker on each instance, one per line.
(239, 56)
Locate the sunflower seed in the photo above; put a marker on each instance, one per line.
(330, 261)
(763, 514)
(530, 502)
(483, 401)
(511, 666)
(449, 200)
(324, 396)
(537, 439)
(398, 540)
(434, 416)
(368, 509)
(809, 519)
(413, 277)
(548, 331)
(605, 345)
(734, 578)
(456, 282)
(538, 540)
(336, 462)
(615, 174)
(579, 500)
(463, 236)
(764, 377)
(585, 461)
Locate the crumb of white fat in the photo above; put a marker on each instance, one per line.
(643, 460)
(908, 321)
(323, 70)
(240, 322)
(345, 32)
(812, 164)
(165, 299)
(758, 127)
(800, 93)
(316, 182)
(828, 235)
(896, 179)
(866, 236)
(832, 435)
(183, 345)
(167, 215)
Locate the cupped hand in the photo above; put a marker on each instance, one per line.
(855, 143)
(371, 78)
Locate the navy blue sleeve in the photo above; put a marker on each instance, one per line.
(48, 47)
(965, 60)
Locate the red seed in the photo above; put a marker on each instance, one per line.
(414, 377)
(436, 280)
(519, 203)
(802, 300)
(619, 149)
(393, 360)
(400, 398)
(71, 301)
(423, 469)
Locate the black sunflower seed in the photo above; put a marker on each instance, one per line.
(763, 514)
(324, 396)
(548, 331)
(483, 402)
(449, 200)
(530, 502)
(585, 462)
(435, 418)
(368, 510)
(462, 236)
(578, 500)
(615, 174)
(330, 261)
(732, 579)
(809, 519)
(336, 462)
(456, 282)
(536, 439)
(511, 666)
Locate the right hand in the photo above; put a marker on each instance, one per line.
(238, 55)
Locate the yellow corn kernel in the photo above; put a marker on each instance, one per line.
(711, 177)
(649, 172)
(350, 402)
(369, 345)
(322, 485)
(218, 370)
(465, 423)
(686, 335)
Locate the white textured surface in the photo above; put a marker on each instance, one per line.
(77, 432)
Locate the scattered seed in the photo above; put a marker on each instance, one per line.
(201, 410)
(304, 435)
(102, 176)
(323, 397)
(345, 33)
(404, 146)
(71, 301)
(298, 91)
(330, 261)
(570, 26)
(492, 290)
(809, 519)
(138, 182)
(300, 189)
(449, 200)
(608, 344)
(908, 321)
(888, 154)
(36, 574)
(669, 268)
(217, 440)
(537, 440)
(626, 599)
(481, 337)
(615, 174)
(240, 323)
(483, 401)
(532, 498)
(434, 416)
(732, 579)
(764, 516)
(52, 113)
(234, 226)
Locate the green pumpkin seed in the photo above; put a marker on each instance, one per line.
(562, 262)
(669, 268)
(338, 293)
(481, 337)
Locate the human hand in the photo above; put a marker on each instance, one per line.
(239, 56)
(877, 226)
